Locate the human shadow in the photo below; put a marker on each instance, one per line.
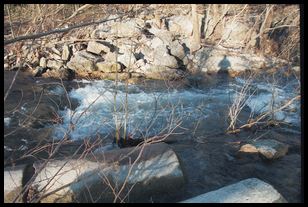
(224, 65)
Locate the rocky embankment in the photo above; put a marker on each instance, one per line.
(140, 47)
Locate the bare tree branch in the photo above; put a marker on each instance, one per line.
(34, 36)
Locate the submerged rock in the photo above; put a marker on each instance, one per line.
(251, 190)
(268, 148)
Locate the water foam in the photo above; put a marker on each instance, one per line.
(152, 112)
(95, 114)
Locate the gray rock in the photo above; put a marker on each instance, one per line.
(107, 67)
(158, 166)
(56, 51)
(148, 53)
(83, 61)
(216, 59)
(53, 64)
(66, 53)
(235, 34)
(156, 42)
(162, 34)
(176, 49)
(271, 149)
(127, 59)
(251, 190)
(110, 57)
(181, 25)
(268, 148)
(162, 58)
(120, 29)
(97, 47)
(161, 72)
(126, 29)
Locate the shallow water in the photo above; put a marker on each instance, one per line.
(155, 111)
(208, 161)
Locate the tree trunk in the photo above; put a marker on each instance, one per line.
(195, 40)
(265, 25)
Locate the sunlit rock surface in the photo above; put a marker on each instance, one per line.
(250, 190)
(81, 180)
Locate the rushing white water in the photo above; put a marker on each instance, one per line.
(7, 121)
(270, 97)
(153, 112)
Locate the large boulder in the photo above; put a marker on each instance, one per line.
(235, 34)
(83, 61)
(100, 175)
(215, 60)
(251, 190)
(268, 148)
(176, 49)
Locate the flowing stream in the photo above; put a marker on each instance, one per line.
(149, 112)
